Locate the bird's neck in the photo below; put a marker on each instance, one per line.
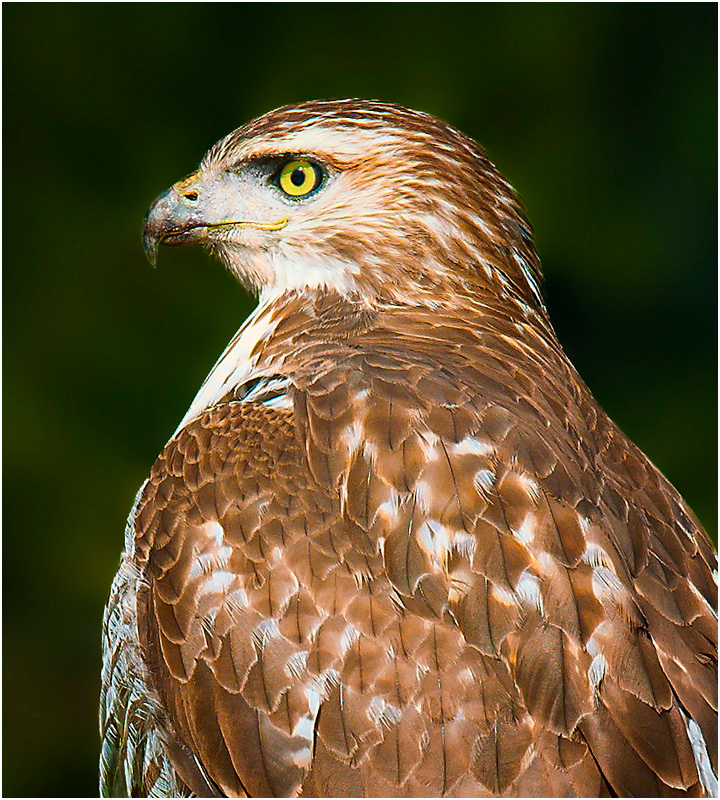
(274, 340)
(270, 336)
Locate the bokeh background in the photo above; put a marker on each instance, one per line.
(603, 116)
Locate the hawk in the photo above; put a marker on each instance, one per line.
(395, 547)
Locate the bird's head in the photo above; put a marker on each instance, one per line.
(362, 197)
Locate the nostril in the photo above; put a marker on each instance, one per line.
(192, 196)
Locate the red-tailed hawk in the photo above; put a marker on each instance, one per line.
(395, 547)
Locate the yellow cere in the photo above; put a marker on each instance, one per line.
(298, 178)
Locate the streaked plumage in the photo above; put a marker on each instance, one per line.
(395, 547)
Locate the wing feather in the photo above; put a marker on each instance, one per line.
(405, 586)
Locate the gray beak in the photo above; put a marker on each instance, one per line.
(174, 218)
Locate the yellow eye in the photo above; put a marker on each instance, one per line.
(299, 178)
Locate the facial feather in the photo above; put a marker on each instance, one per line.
(411, 209)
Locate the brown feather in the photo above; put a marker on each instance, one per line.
(396, 547)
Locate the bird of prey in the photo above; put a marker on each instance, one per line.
(395, 547)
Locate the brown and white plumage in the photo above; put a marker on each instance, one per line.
(395, 547)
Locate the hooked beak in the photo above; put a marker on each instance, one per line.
(189, 212)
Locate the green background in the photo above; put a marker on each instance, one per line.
(602, 116)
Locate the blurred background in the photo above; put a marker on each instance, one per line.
(603, 116)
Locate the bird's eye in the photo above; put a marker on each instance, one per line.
(299, 178)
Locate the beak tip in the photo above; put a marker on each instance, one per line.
(150, 246)
(152, 229)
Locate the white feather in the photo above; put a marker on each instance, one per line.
(528, 590)
(702, 759)
(471, 445)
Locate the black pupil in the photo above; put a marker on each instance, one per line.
(297, 177)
